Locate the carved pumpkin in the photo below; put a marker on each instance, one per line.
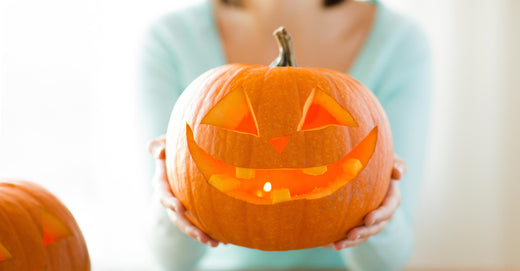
(37, 232)
(279, 157)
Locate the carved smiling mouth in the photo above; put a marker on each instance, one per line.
(269, 186)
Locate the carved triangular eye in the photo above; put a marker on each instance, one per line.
(53, 229)
(233, 112)
(321, 110)
(4, 253)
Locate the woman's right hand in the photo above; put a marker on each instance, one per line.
(174, 207)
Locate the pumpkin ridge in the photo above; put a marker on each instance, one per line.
(16, 235)
(5, 220)
(224, 79)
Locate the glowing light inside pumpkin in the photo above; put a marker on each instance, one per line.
(4, 254)
(267, 187)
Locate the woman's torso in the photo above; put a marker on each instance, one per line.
(190, 43)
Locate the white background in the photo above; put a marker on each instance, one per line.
(470, 210)
(68, 116)
(68, 121)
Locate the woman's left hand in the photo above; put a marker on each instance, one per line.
(376, 220)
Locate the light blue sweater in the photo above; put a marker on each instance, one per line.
(394, 63)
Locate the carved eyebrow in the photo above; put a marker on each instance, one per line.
(321, 110)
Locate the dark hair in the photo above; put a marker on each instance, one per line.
(326, 3)
(331, 3)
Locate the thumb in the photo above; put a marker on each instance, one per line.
(399, 168)
(156, 147)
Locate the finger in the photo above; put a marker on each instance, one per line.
(345, 243)
(181, 222)
(166, 197)
(160, 179)
(331, 245)
(160, 170)
(172, 203)
(399, 168)
(156, 147)
(387, 209)
(163, 190)
(366, 231)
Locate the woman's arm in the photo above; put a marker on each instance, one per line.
(159, 90)
(404, 92)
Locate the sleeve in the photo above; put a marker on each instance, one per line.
(404, 92)
(159, 85)
(158, 91)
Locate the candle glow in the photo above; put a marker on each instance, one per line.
(267, 187)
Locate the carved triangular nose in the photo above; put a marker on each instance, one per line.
(279, 143)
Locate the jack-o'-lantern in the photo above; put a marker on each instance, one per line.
(37, 232)
(278, 157)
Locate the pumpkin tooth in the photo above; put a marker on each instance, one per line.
(352, 167)
(244, 173)
(280, 195)
(223, 183)
(315, 171)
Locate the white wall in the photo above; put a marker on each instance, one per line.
(469, 215)
(67, 113)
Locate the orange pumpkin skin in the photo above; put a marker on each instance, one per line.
(206, 143)
(37, 232)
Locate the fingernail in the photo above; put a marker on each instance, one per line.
(156, 148)
(173, 205)
(170, 212)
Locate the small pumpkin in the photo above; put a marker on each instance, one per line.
(37, 232)
(278, 157)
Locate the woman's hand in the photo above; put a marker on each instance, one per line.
(174, 207)
(376, 220)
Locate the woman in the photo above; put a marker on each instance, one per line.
(382, 50)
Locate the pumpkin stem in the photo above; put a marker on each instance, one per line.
(286, 57)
